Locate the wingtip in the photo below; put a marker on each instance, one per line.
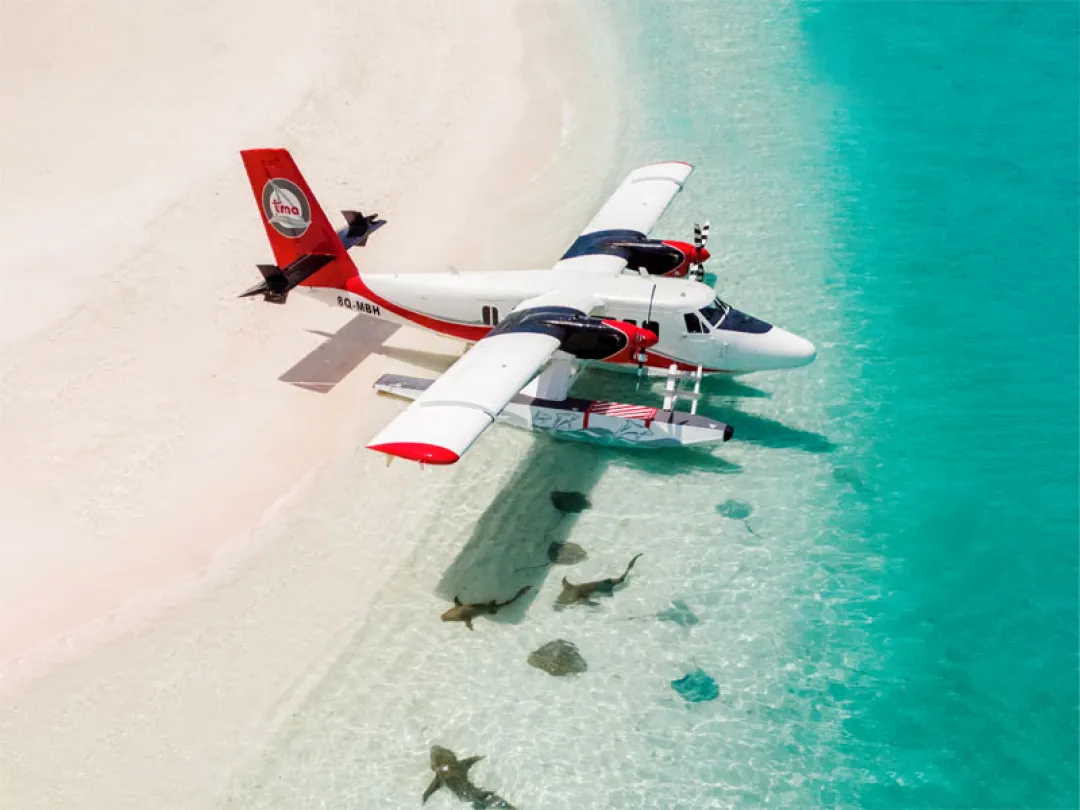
(417, 451)
(667, 163)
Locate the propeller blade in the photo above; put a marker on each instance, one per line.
(701, 238)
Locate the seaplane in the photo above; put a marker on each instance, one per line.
(616, 299)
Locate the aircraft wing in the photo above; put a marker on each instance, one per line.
(444, 421)
(630, 212)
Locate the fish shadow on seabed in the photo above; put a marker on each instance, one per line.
(509, 546)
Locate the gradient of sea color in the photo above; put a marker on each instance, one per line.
(883, 561)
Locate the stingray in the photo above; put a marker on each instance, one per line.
(561, 554)
(851, 477)
(566, 553)
(570, 503)
(696, 687)
(736, 510)
(679, 613)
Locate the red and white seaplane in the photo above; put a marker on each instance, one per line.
(615, 298)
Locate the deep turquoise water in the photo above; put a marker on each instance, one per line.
(938, 163)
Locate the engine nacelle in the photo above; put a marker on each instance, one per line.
(582, 336)
(662, 258)
(655, 257)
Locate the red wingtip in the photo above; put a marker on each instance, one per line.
(417, 451)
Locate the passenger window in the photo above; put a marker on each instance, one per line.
(485, 313)
(652, 326)
(693, 325)
(494, 316)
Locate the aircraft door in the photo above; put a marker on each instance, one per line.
(696, 344)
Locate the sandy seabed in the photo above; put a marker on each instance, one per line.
(154, 617)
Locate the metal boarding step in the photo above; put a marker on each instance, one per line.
(673, 392)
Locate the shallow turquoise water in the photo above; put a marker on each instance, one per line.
(943, 139)
(894, 624)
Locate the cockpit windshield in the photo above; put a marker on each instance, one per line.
(714, 313)
(724, 316)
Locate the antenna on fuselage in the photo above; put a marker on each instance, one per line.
(642, 356)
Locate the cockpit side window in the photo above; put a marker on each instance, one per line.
(693, 325)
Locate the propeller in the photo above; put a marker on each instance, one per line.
(701, 238)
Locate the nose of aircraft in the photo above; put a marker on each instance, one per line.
(790, 350)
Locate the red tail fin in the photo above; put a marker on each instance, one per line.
(294, 221)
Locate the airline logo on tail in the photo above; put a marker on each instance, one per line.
(286, 208)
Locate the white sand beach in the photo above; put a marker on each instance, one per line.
(154, 617)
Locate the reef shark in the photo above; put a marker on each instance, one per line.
(575, 594)
(461, 612)
(453, 773)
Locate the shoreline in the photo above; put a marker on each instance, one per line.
(174, 554)
(97, 684)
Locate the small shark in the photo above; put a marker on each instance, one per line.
(466, 613)
(453, 773)
(579, 594)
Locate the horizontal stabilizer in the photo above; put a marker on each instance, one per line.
(277, 282)
(359, 228)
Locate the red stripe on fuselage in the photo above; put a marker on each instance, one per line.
(463, 331)
(468, 332)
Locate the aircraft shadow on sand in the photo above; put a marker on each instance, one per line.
(331, 361)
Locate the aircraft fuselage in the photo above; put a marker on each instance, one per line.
(692, 325)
